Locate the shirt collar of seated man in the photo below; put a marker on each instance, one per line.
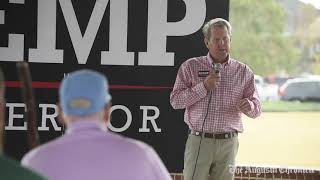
(73, 122)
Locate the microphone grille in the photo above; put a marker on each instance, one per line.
(217, 67)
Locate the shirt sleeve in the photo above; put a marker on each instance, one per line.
(26, 159)
(250, 92)
(159, 170)
(183, 93)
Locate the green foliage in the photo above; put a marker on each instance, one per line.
(258, 36)
(307, 24)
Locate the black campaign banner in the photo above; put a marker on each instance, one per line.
(138, 44)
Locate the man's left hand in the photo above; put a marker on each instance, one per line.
(244, 105)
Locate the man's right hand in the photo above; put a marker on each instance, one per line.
(212, 81)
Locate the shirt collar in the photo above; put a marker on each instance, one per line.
(210, 60)
(86, 124)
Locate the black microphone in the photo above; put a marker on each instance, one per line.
(216, 67)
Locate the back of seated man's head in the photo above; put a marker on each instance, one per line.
(84, 93)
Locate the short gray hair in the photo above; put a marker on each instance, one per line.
(215, 22)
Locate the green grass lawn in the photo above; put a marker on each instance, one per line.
(289, 139)
(290, 106)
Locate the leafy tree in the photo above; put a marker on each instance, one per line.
(258, 37)
(306, 14)
(308, 37)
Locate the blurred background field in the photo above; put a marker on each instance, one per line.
(280, 41)
(286, 139)
(287, 106)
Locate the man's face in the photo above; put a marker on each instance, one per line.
(219, 43)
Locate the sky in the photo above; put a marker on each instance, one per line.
(315, 3)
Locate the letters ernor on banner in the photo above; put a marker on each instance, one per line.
(138, 44)
(46, 116)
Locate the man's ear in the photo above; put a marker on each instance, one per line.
(107, 115)
(206, 42)
(61, 118)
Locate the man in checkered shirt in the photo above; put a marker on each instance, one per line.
(214, 100)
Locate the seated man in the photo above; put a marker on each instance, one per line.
(88, 150)
(9, 169)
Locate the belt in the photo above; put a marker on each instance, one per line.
(215, 136)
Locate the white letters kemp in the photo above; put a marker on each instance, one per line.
(158, 30)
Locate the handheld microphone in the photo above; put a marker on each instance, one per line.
(216, 67)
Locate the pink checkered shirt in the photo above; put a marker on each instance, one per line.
(237, 82)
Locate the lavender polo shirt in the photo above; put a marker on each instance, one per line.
(88, 152)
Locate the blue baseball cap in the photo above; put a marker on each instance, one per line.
(84, 92)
